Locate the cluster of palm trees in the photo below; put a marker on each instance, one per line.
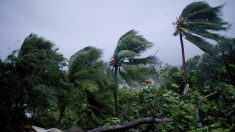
(88, 71)
(197, 24)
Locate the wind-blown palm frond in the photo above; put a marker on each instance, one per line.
(126, 54)
(126, 77)
(206, 25)
(133, 42)
(90, 86)
(86, 73)
(132, 71)
(144, 61)
(206, 34)
(202, 11)
(34, 43)
(200, 42)
(87, 57)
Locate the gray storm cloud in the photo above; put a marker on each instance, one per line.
(74, 24)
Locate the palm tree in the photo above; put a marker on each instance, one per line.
(88, 72)
(197, 22)
(126, 60)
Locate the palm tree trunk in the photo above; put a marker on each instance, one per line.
(185, 89)
(183, 55)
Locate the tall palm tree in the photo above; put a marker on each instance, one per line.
(198, 22)
(126, 61)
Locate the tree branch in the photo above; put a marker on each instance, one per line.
(131, 124)
(208, 95)
(199, 104)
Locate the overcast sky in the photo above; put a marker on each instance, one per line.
(74, 24)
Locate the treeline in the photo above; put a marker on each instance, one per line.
(36, 90)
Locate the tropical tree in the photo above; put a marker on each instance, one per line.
(126, 60)
(33, 80)
(197, 23)
(88, 72)
(42, 55)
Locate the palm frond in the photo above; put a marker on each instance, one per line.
(90, 86)
(142, 61)
(34, 43)
(133, 72)
(88, 56)
(202, 11)
(126, 77)
(110, 75)
(200, 43)
(133, 42)
(207, 25)
(86, 73)
(206, 34)
(126, 54)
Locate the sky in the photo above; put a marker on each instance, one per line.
(74, 24)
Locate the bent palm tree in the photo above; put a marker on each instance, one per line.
(87, 71)
(126, 61)
(196, 23)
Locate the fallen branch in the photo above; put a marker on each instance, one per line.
(199, 104)
(131, 124)
(208, 95)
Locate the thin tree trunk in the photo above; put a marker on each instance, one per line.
(186, 87)
(183, 55)
(131, 124)
(115, 92)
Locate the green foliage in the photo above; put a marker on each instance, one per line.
(158, 103)
(31, 81)
(112, 121)
(209, 74)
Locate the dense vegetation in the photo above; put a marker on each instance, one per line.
(88, 92)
